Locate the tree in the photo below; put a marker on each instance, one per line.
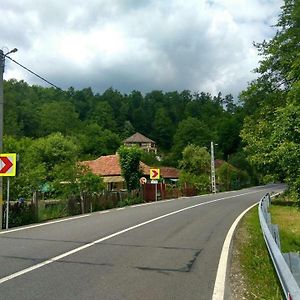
(191, 131)
(31, 173)
(163, 129)
(82, 100)
(128, 130)
(96, 141)
(103, 115)
(229, 135)
(55, 149)
(77, 180)
(230, 177)
(130, 165)
(58, 117)
(271, 132)
(195, 167)
(89, 185)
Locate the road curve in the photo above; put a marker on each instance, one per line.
(162, 250)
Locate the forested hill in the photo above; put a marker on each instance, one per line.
(99, 122)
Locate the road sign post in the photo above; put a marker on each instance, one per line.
(7, 204)
(2, 64)
(154, 176)
(2, 60)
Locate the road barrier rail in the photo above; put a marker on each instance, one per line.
(287, 265)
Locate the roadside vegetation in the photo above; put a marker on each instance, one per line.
(271, 137)
(287, 215)
(252, 275)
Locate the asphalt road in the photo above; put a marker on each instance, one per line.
(163, 250)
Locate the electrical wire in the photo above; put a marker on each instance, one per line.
(30, 71)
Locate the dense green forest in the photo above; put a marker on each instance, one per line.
(99, 122)
(49, 127)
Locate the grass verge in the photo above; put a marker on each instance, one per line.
(252, 275)
(288, 219)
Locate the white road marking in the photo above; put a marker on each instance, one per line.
(103, 212)
(142, 204)
(120, 208)
(219, 288)
(63, 255)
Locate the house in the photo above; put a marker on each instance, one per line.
(169, 174)
(108, 167)
(141, 141)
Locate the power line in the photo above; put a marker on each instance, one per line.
(34, 73)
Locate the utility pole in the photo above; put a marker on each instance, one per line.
(2, 61)
(2, 65)
(213, 171)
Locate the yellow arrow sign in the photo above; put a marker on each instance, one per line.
(154, 174)
(8, 163)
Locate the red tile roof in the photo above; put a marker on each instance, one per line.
(109, 166)
(104, 165)
(168, 172)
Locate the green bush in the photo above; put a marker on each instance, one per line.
(129, 201)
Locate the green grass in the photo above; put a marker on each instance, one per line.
(52, 212)
(259, 279)
(288, 219)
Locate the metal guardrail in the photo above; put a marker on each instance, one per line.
(284, 263)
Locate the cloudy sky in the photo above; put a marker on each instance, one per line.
(200, 45)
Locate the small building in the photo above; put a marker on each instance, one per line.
(169, 174)
(108, 167)
(141, 141)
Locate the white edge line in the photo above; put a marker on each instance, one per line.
(219, 288)
(103, 212)
(63, 255)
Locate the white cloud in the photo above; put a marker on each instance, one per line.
(142, 45)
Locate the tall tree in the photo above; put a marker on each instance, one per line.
(195, 168)
(163, 129)
(191, 131)
(130, 165)
(58, 117)
(271, 132)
